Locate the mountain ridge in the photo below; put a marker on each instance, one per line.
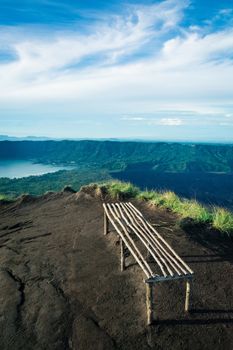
(115, 155)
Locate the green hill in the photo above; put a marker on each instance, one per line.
(162, 157)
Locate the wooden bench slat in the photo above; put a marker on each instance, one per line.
(127, 219)
(157, 247)
(146, 243)
(142, 235)
(163, 240)
(171, 260)
(137, 255)
(118, 216)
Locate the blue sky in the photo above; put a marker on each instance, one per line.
(161, 70)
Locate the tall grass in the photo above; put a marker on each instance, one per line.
(4, 197)
(185, 208)
(223, 220)
(122, 190)
(194, 210)
(219, 218)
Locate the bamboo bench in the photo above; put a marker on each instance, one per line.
(133, 229)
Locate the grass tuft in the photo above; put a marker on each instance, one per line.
(219, 218)
(122, 190)
(4, 197)
(194, 210)
(223, 220)
(145, 195)
(171, 201)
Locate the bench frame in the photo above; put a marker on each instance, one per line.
(114, 215)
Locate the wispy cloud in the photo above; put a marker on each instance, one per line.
(133, 118)
(143, 60)
(171, 121)
(40, 61)
(155, 120)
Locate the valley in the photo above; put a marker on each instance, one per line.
(200, 171)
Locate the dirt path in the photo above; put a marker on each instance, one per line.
(61, 287)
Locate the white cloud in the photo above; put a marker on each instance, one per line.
(44, 61)
(133, 118)
(226, 12)
(98, 72)
(171, 121)
(155, 120)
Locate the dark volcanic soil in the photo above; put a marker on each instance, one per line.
(61, 286)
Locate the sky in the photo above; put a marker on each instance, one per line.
(159, 70)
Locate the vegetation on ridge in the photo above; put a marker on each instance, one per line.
(3, 197)
(37, 185)
(219, 218)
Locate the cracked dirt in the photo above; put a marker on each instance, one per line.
(61, 285)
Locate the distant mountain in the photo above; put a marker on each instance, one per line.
(115, 139)
(26, 138)
(160, 156)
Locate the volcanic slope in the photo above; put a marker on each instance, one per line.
(61, 285)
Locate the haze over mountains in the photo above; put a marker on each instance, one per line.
(138, 139)
(23, 138)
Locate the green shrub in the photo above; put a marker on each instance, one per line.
(182, 207)
(122, 190)
(223, 220)
(147, 195)
(3, 197)
(194, 210)
(157, 199)
(171, 201)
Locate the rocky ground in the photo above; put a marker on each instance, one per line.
(61, 285)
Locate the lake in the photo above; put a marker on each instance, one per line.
(22, 168)
(209, 188)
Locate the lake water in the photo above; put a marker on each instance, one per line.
(209, 188)
(22, 168)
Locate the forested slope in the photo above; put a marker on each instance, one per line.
(173, 157)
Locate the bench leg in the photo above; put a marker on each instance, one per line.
(149, 303)
(187, 297)
(122, 255)
(105, 224)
